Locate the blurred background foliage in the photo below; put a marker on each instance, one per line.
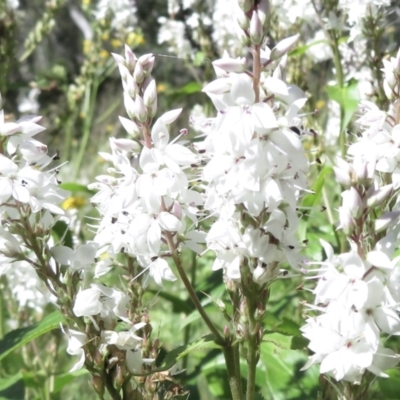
(55, 61)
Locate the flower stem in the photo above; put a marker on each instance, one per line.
(218, 337)
(234, 379)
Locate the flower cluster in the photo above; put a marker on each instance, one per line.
(357, 293)
(147, 202)
(358, 299)
(255, 165)
(30, 199)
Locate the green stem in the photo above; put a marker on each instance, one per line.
(252, 350)
(234, 379)
(188, 327)
(218, 338)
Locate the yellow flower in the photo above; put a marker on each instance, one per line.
(161, 87)
(116, 43)
(320, 104)
(134, 39)
(73, 202)
(104, 54)
(87, 44)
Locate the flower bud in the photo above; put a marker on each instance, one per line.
(263, 10)
(98, 385)
(130, 86)
(127, 145)
(231, 64)
(150, 94)
(353, 202)
(256, 29)
(119, 59)
(130, 59)
(243, 38)
(9, 245)
(227, 332)
(346, 220)
(246, 5)
(177, 210)
(138, 73)
(130, 127)
(147, 62)
(342, 177)
(379, 196)
(242, 19)
(284, 46)
(129, 106)
(384, 221)
(140, 109)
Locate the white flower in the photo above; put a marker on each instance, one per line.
(77, 260)
(76, 341)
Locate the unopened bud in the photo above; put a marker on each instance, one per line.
(342, 177)
(147, 62)
(346, 220)
(98, 385)
(119, 378)
(264, 12)
(138, 73)
(243, 38)
(231, 64)
(218, 86)
(384, 221)
(150, 94)
(246, 5)
(9, 245)
(129, 85)
(227, 331)
(284, 46)
(130, 59)
(140, 109)
(129, 106)
(130, 127)
(242, 19)
(119, 59)
(256, 29)
(352, 200)
(379, 196)
(127, 145)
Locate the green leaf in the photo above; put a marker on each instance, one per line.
(311, 200)
(288, 327)
(348, 98)
(189, 88)
(19, 337)
(299, 51)
(12, 388)
(5, 383)
(390, 387)
(76, 188)
(61, 231)
(299, 343)
(64, 379)
(178, 305)
(204, 343)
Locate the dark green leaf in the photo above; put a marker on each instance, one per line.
(61, 230)
(19, 337)
(288, 327)
(12, 388)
